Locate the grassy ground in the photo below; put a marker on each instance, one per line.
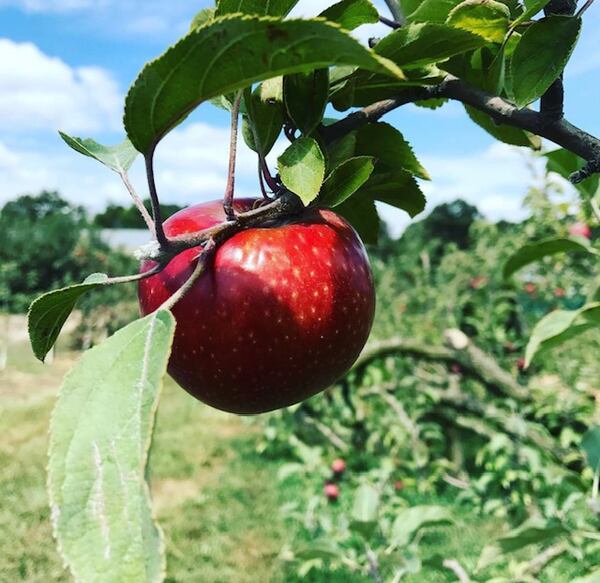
(217, 499)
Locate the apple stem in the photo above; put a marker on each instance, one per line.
(201, 263)
(230, 189)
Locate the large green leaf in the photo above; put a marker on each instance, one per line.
(305, 97)
(541, 56)
(302, 169)
(487, 18)
(99, 439)
(351, 14)
(228, 54)
(559, 326)
(203, 17)
(365, 510)
(263, 120)
(118, 158)
(259, 7)
(535, 251)
(387, 145)
(433, 10)
(590, 444)
(504, 133)
(48, 313)
(345, 180)
(410, 520)
(416, 45)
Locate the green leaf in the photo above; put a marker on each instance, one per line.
(302, 169)
(99, 439)
(532, 7)
(590, 444)
(229, 54)
(487, 18)
(559, 326)
(502, 132)
(541, 56)
(48, 313)
(341, 150)
(365, 510)
(417, 45)
(346, 179)
(410, 520)
(318, 549)
(305, 96)
(118, 158)
(566, 163)
(591, 577)
(351, 14)
(396, 188)
(361, 213)
(258, 7)
(203, 17)
(533, 531)
(388, 146)
(263, 120)
(433, 10)
(535, 251)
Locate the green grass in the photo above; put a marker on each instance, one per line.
(217, 499)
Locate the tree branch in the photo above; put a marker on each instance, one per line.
(459, 350)
(230, 188)
(502, 111)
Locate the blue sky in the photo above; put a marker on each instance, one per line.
(67, 64)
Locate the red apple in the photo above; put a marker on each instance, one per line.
(332, 492)
(279, 314)
(338, 467)
(580, 230)
(530, 288)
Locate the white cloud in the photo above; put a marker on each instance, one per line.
(191, 166)
(40, 92)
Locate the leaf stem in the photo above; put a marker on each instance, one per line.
(230, 188)
(156, 214)
(394, 8)
(584, 8)
(136, 277)
(138, 202)
(389, 22)
(201, 262)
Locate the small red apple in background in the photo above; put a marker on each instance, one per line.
(398, 485)
(559, 292)
(279, 314)
(478, 282)
(521, 364)
(580, 230)
(530, 288)
(332, 492)
(338, 467)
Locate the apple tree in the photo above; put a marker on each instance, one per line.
(257, 304)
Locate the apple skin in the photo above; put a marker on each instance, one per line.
(580, 230)
(279, 314)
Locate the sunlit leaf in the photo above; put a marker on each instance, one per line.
(100, 435)
(118, 158)
(228, 54)
(487, 18)
(302, 169)
(351, 14)
(48, 313)
(345, 180)
(541, 56)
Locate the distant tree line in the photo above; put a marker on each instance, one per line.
(121, 217)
